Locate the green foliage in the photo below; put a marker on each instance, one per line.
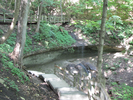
(85, 9)
(123, 91)
(52, 35)
(88, 26)
(115, 28)
(116, 65)
(126, 60)
(106, 66)
(1, 31)
(115, 19)
(120, 8)
(36, 3)
(45, 3)
(8, 64)
(113, 83)
(131, 42)
(28, 44)
(76, 9)
(5, 48)
(11, 84)
(12, 39)
(71, 50)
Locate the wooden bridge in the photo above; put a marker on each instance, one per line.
(7, 18)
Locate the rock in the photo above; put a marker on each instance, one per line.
(71, 68)
(82, 69)
(36, 73)
(89, 66)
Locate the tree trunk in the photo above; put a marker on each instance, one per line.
(21, 34)
(39, 17)
(101, 41)
(61, 9)
(14, 20)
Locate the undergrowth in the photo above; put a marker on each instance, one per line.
(123, 92)
(8, 66)
(53, 36)
(7, 63)
(116, 29)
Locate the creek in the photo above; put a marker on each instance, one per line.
(45, 62)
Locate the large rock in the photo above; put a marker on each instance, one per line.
(89, 66)
(82, 69)
(71, 68)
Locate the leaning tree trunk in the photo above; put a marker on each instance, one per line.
(39, 17)
(101, 41)
(14, 20)
(21, 34)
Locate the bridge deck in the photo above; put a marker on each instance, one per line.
(7, 18)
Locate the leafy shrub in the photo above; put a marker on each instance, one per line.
(5, 48)
(7, 64)
(52, 35)
(12, 39)
(123, 92)
(88, 26)
(11, 84)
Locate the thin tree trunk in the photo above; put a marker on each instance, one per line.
(61, 9)
(101, 41)
(39, 17)
(14, 20)
(15, 5)
(21, 34)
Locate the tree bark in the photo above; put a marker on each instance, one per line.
(101, 41)
(17, 53)
(39, 17)
(61, 9)
(14, 20)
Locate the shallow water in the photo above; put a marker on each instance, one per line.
(64, 59)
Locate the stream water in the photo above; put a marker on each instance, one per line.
(79, 54)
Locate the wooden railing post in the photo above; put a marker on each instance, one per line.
(63, 74)
(4, 16)
(55, 69)
(74, 82)
(78, 80)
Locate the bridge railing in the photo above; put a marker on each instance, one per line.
(4, 19)
(7, 17)
(86, 84)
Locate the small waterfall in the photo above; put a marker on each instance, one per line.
(82, 51)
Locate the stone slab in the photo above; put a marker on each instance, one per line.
(36, 73)
(48, 77)
(73, 95)
(66, 89)
(56, 84)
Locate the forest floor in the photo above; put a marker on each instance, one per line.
(36, 89)
(117, 68)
